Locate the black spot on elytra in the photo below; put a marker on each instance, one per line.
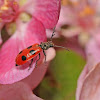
(20, 52)
(23, 58)
(29, 47)
(32, 52)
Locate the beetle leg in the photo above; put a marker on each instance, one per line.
(30, 64)
(44, 55)
(37, 60)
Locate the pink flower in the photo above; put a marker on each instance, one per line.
(79, 17)
(26, 22)
(27, 30)
(23, 37)
(78, 13)
(8, 10)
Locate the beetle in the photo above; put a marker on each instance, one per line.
(34, 50)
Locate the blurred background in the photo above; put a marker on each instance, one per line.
(60, 81)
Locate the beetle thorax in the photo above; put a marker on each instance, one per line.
(46, 45)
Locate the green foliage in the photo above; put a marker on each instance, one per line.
(61, 82)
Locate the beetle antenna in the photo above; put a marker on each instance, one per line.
(53, 33)
(61, 47)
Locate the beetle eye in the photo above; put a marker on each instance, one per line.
(44, 45)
